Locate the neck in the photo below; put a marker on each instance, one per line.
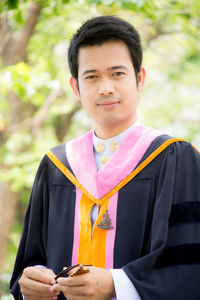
(106, 132)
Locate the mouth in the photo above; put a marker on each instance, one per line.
(108, 104)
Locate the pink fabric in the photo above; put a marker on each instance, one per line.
(110, 239)
(76, 227)
(81, 159)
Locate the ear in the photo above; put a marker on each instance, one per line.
(74, 84)
(141, 79)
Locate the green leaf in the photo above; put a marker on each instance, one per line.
(12, 4)
(19, 16)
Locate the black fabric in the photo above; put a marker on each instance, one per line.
(47, 236)
(157, 142)
(179, 255)
(174, 181)
(188, 212)
(60, 153)
(143, 232)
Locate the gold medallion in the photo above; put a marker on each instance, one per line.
(105, 222)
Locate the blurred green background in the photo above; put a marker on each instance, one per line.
(38, 109)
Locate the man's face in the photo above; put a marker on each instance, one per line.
(107, 84)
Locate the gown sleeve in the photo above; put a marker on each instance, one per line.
(32, 248)
(171, 267)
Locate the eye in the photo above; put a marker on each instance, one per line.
(90, 77)
(117, 74)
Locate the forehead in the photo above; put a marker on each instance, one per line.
(104, 55)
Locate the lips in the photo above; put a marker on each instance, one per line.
(108, 103)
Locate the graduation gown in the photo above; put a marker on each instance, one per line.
(149, 194)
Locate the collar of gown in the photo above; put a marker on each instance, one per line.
(80, 155)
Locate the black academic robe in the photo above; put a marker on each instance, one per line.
(157, 240)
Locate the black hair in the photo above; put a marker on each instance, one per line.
(101, 29)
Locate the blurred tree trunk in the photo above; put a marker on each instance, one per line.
(14, 45)
(8, 204)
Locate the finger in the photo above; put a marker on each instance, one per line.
(31, 287)
(36, 295)
(69, 281)
(75, 290)
(41, 298)
(79, 280)
(40, 274)
(56, 288)
(76, 298)
(69, 293)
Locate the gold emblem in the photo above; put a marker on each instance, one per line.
(104, 159)
(100, 147)
(105, 222)
(114, 146)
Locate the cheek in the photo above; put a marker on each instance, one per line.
(85, 92)
(88, 106)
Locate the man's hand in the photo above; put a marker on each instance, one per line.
(36, 283)
(95, 285)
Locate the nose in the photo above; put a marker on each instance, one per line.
(106, 88)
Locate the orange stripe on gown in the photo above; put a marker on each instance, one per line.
(92, 243)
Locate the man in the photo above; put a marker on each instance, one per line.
(124, 198)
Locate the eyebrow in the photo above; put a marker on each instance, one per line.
(89, 71)
(118, 67)
(110, 68)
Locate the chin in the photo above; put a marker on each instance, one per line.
(111, 123)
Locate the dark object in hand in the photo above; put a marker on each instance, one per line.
(79, 271)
